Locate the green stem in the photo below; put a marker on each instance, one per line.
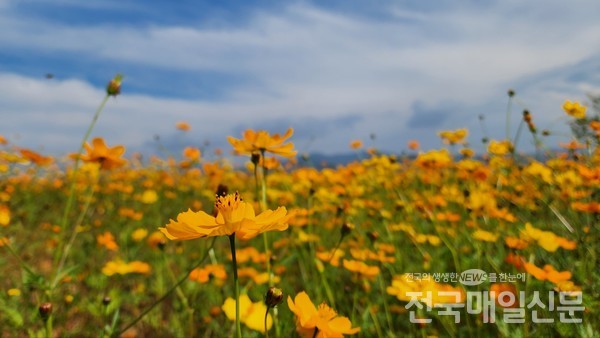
(21, 262)
(517, 137)
(68, 206)
(508, 112)
(332, 255)
(264, 207)
(375, 321)
(65, 215)
(388, 318)
(173, 288)
(67, 247)
(264, 181)
(48, 327)
(182, 297)
(238, 328)
(266, 329)
(255, 180)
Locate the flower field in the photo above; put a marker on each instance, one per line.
(441, 242)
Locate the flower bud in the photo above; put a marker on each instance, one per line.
(45, 311)
(273, 297)
(511, 93)
(255, 158)
(114, 86)
(373, 236)
(346, 229)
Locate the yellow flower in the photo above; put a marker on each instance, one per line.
(261, 141)
(251, 314)
(548, 240)
(453, 136)
(14, 292)
(122, 268)
(500, 147)
(574, 109)
(485, 236)
(192, 153)
(434, 159)
(4, 215)
(139, 234)
(234, 216)
(149, 196)
(98, 152)
(431, 293)
(324, 319)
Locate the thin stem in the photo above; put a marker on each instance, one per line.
(67, 247)
(238, 329)
(332, 255)
(48, 327)
(77, 160)
(517, 137)
(264, 180)
(255, 180)
(21, 262)
(173, 288)
(266, 329)
(264, 207)
(508, 112)
(68, 206)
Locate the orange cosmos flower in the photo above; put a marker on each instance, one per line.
(356, 144)
(572, 145)
(515, 243)
(361, 268)
(183, 126)
(234, 216)
(502, 294)
(191, 153)
(35, 157)
(592, 207)
(324, 319)
(98, 152)
(516, 260)
(202, 275)
(413, 145)
(547, 273)
(107, 240)
(594, 125)
(261, 141)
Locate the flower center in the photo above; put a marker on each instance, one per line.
(226, 205)
(325, 312)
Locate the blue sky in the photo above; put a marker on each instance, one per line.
(334, 70)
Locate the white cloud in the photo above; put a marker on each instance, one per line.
(309, 63)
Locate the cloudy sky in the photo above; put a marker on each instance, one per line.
(335, 71)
